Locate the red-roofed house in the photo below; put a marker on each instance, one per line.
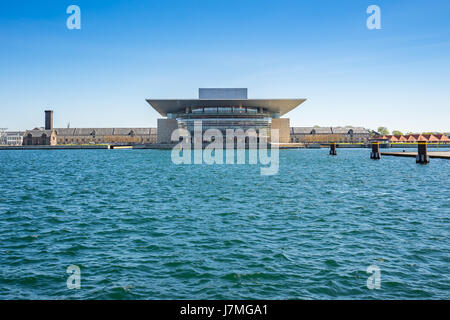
(392, 138)
(442, 138)
(402, 139)
(430, 138)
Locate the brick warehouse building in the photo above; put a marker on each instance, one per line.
(330, 134)
(66, 136)
(37, 137)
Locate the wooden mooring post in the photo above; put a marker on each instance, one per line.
(375, 154)
(333, 149)
(422, 153)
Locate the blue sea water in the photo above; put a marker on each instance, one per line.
(140, 227)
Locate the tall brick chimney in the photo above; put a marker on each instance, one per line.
(48, 119)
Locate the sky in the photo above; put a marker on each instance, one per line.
(130, 50)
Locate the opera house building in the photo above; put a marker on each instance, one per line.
(223, 108)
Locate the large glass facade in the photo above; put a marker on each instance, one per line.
(223, 118)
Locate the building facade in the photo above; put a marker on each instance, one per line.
(12, 138)
(79, 136)
(39, 137)
(330, 134)
(413, 138)
(216, 108)
(222, 109)
(128, 136)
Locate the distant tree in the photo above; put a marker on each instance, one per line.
(316, 126)
(397, 133)
(383, 130)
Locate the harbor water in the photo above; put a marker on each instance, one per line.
(140, 227)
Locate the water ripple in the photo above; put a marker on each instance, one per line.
(140, 227)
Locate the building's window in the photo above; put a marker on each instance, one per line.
(225, 110)
(213, 110)
(44, 139)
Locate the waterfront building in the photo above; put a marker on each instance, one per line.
(413, 138)
(105, 136)
(12, 138)
(67, 136)
(442, 138)
(222, 109)
(39, 136)
(217, 108)
(78, 136)
(330, 134)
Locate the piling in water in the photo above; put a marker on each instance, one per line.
(333, 149)
(375, 154)
(422, 153)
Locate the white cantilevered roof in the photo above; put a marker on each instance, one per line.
(165, 106)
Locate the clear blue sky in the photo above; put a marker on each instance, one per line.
(130, 50)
